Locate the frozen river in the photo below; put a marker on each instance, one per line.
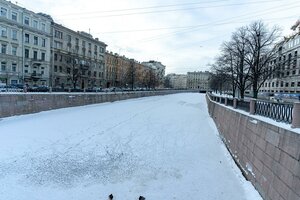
(163, 147)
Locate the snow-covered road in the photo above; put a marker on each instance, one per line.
(164, 148)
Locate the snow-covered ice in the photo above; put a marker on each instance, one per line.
(163, 147)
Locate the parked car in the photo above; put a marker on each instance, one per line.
(94, 89)
(41, 89)
(10, 88)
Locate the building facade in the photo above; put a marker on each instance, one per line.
(198, 80)
(128, 73)
(177, 81)
(284, 70)
(77, 59)
(25, 45)
(159, 70)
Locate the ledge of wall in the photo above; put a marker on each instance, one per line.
(25, 103)
(269, 156)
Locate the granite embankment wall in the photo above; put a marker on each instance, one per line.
(25, 103)
(268, 155)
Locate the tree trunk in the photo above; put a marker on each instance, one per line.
(255, 90)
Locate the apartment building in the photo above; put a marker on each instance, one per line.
(159, 70)
(177, 81)
(78, 59)
(198, 80)
(124, 72)
(284, 69)
(25, 45)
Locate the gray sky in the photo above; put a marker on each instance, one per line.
(185, 35)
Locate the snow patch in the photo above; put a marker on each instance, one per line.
(253, 121)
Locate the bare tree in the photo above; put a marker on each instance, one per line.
(260, 41)
(233, 61)
(220, 79)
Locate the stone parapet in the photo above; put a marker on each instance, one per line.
(268, 155)
(26, 103)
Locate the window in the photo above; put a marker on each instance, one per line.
(43, 42)
(26, 38)
(4, 32)
(14, 67)
(35, 24)
(3, 48)
(14, 16)
(43, 56)
(43, 27)
(3, 12)
(60, 68)
(13, 82)
(55, 57)
(35, 55)
(69, 38)
(292, 84)
(3, 66)
(26, 20)
(298, 84)
(58, 34)
(83, 44)
(14, 50)
(26, 71)
(287, 84)
(35, 40)
(55, 68)
(26, 53)
(57, 44)
(14, 34)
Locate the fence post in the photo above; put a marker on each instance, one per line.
(226, 101)
(50, 89)
(252, 107)
(220, 99)
(24, 88)
(296, 115)
(234, 102)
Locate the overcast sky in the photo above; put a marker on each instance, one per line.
(185, 35)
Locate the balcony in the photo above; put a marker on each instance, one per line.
(36, 75)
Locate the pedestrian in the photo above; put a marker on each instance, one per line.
(110, 197)
(142, 198)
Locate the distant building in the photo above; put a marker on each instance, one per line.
(124, 72)
(77, 59)
(25, 45)
(177, 81)
(198, 80)
(159, 71)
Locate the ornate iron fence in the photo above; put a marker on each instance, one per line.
(230, 102)
(281, 112)
(278, 111)
(243, 105)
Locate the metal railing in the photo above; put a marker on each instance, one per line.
(281, 112)
(278, 111)
(243, 105)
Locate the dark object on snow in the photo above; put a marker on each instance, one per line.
(110, 197)
(142, 198)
